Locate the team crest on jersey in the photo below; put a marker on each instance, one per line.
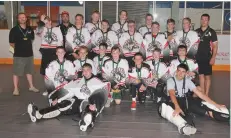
(185, 42)
(130, 45)
(118, 74)
(153, 45)
(60, 76)
(102, 40)
(78, 39)
(119, 32)
(49, 38)
(85, 90)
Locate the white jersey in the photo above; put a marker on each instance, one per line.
(131, 44)
(174, 63)
(99, 62)
(117, 72)
(170, 38)
(144, 30)
(98, 37)
(84, 88)
(91, 27)
(144, 73)
(190, 39)
(77, 37)
(51, 37)
(56, 72)
(159, 70)
(150, 43)
(79, 64)
(119, 28)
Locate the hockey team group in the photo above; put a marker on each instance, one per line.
(87, 67)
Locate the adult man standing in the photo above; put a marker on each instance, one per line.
(20, 39)
(65, 25)
(206, 53)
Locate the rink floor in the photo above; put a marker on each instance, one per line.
(115, 122)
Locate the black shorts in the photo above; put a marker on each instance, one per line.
(204, 68)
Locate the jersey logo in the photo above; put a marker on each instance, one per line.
(49, 38)
(153, 45)
(78, 39)
(119, 32)
(118, 74)
(185, 42)
(130, 45)
(60, 76)
(102, 40)
(85, 90)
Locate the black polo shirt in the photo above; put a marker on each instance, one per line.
(22, 38)
(207, 37)
(64, 30)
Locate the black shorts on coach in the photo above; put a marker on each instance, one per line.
(204, 68)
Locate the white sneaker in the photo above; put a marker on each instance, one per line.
(31, 111)
(189, 130)
(45, 93)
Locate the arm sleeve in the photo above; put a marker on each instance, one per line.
(214, 36)
(60, 37)
(40, 27)
(190, 85)
(50, 72)
(12, 36)
(115, 39)
(88, 39)
(170, 84)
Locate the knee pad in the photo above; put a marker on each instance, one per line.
(65, 105)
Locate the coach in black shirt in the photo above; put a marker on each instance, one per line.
(20, 38)
(206, 53)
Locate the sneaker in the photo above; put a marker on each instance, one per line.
(31, 109)
(108, 103)
(33, 89)
(45, 93)
(87, 120)
(16, 92)
(188, 130)
(133, 105)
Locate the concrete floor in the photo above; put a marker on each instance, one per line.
(115, 122)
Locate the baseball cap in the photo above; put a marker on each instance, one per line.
(65, 12)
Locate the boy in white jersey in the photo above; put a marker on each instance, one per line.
(115, 70)
(159, 75)
(138, 78)
(82, 52)
(188, 38)
(182, 52)
(121, 26)
(58, 72)
(76, 37)
(131, 43)
(51, 38)
(95, 23)
(147, 28)
(170, 33)
(104, 36)
(100, 59)
(85, 98)
(155, 39)
(180, 106)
